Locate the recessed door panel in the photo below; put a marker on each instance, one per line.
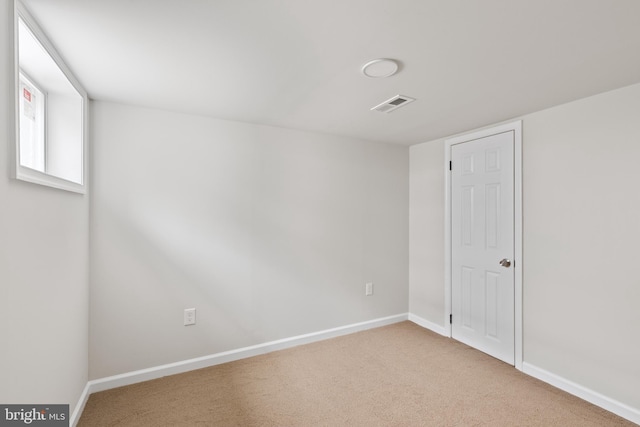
(492, 216)
(467, 298)
(467, 216)
(492, 306)
(467, 164)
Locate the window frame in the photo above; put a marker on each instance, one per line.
(19, 171)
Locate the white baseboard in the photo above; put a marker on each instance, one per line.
(75, 417)
(229, 356)
(611, 405)
(428, 325)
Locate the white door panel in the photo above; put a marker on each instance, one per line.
(482, 234)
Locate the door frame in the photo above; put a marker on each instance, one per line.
(516, 127)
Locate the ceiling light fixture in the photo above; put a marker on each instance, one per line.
(380, 68)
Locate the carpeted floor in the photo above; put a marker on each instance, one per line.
(398, 375)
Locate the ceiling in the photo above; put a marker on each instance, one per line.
(296, 63)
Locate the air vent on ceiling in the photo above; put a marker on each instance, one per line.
(393, 103)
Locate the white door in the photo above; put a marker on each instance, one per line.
(482, 244)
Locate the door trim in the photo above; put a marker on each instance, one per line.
(516, 127)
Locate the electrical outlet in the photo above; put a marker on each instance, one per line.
(189, 316)
(368, 289)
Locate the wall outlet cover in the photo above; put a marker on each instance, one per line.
(368, 289)
(189, 316)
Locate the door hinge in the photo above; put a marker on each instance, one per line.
(451, 319)
(450, 165)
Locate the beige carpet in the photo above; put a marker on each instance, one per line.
(398, 375)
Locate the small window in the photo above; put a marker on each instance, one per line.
(50, 112)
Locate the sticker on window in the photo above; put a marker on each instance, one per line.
(28, 102)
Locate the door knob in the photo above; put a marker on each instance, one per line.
(505, 262)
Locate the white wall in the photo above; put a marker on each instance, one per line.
(268, 232)
(581, 214)
(43, 275)
(426, 273)
(582, 228)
